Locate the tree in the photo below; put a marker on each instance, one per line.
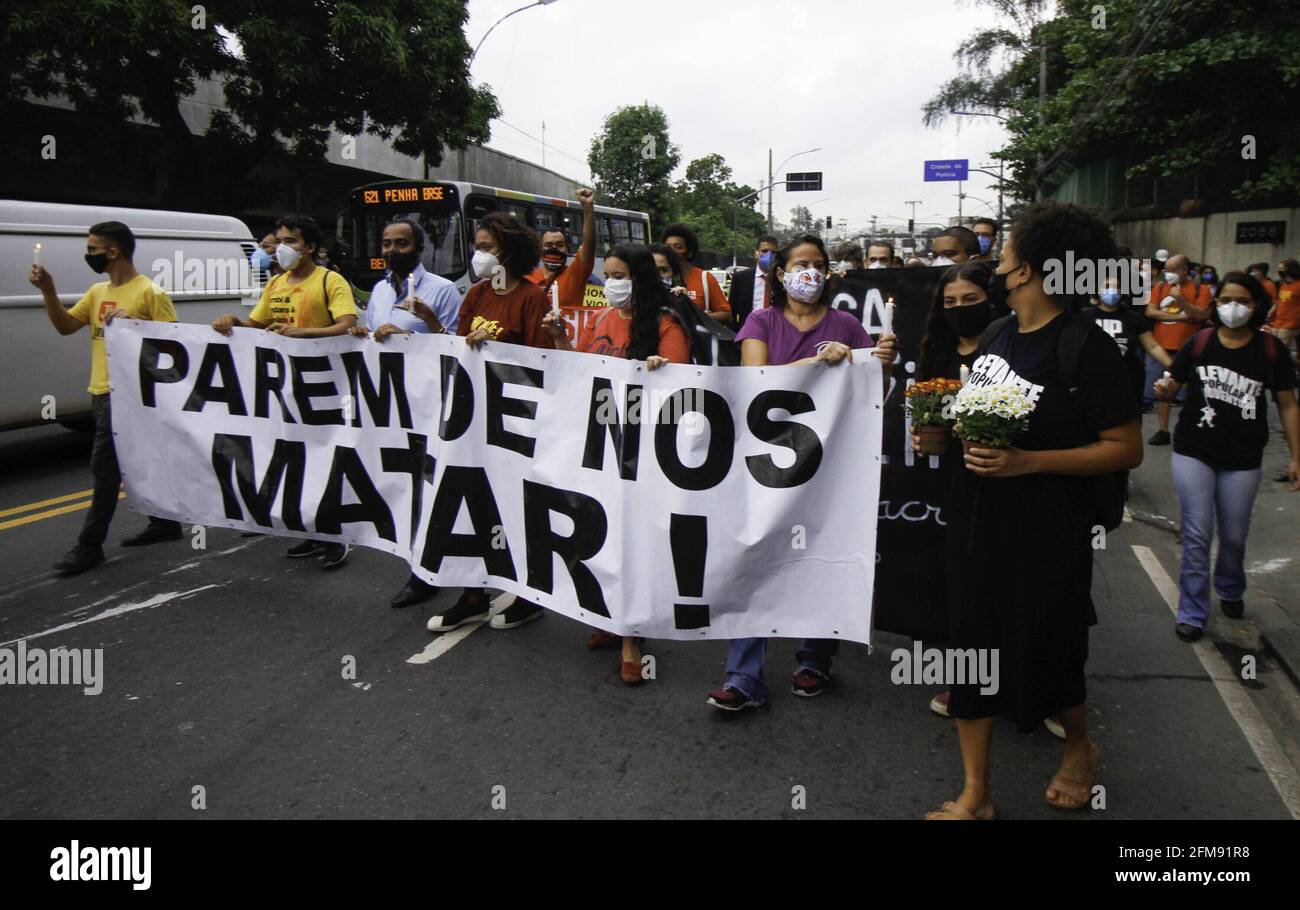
(801, 220)
(632, 159)
(705, 199)
(393, 68)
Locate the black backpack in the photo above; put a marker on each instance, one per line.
(1110, 490)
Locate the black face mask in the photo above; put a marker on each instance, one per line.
(98, 262)
(402, 263)
(968, 321)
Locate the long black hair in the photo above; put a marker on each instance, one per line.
(939, 343)
(1257, 294)
(674, 261)
(783, 256)
(649, 298)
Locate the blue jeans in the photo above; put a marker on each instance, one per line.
(1154, 371)
(747, 656)
(1203, 491)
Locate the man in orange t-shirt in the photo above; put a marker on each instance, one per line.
(1286, 312)
(701, 286)
(569, 282)
(1178, 306)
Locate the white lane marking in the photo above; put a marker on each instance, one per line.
(156, 601)
(1264, 568)
(448, 640)
(1262, 741)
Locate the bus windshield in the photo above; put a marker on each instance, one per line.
(444, 248)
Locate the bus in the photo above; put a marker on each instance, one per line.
(449, 212)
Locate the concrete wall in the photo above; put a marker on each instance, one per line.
(1212, 238)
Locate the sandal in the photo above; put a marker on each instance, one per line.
(956, 812)
(1077, 793)
(631, 672)
(602, 639)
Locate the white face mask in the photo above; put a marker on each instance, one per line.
(1171, 278)
(1233, 315)
(287, 257)
(484, 264)
(943, 260)
(876, 265)
(618, 291)
(804, 286)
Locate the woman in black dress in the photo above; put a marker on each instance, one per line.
(1027, 514)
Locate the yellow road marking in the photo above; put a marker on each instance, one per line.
(5, 513)
(62, 510)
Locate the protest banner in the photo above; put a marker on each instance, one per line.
(688, 502)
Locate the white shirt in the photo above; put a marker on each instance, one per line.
(439, 293)
(760, 287)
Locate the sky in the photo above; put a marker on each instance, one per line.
(737, 77)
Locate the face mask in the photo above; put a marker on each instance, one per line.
(876, 265)
(403, 263)
(1233, 315)
(986, 243)
(765, 261)
(1208, 277)
(668, 282)
(968, 321)
(260, 259)
(484, 264)
(805, 286)
(1171, 278)
(553, 260)
(98, 262)
(287, 256)
(618, 291)
(1110, 297)
(943, 260)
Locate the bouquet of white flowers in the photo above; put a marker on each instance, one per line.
(992, 416)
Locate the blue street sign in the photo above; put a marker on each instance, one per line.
(951, 169)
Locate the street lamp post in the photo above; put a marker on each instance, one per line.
(735, 215)
(770, 184)
(503, 19)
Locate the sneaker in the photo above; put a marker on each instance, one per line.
(1187, 632)
(939, 704)
(731, 699)
(335, 555)
(305, 549)
(809, 683)
(1054, 727)
(458, 614)
(79, 559)
(515, 615)
(1232, 608)
(1159, 438)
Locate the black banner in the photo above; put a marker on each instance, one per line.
(911, 591)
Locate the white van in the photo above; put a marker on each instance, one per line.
(200, 260)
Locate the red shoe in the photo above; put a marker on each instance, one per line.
(729, 699)
(939, 704)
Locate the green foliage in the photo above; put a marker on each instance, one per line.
(394, 68)
(632, 159)
(1174, 87)
(705, 199)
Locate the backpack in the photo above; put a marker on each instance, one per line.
(1202, 338)
(1110, 491)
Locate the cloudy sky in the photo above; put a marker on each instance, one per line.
(736, 77)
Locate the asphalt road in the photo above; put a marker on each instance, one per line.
(223, 669)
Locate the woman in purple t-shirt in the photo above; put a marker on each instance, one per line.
(798, 328)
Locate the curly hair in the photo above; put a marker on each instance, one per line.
(688, 237)
(520, 249)
(1047, 231)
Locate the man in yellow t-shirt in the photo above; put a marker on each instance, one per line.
(304, 301)
(125, 295)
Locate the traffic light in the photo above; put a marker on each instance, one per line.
(830, 222)
(911, 226)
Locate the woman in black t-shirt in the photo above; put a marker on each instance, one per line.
(1219, 443)
(1025, 515)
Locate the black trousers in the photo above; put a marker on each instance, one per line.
(108, 477)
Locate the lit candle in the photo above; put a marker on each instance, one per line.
(965, 373)
(888, 328)
(409, 293)
(37, 254)
(555, 298)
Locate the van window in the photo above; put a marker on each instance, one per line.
(638, 231)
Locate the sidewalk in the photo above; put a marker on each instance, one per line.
(1272, 550)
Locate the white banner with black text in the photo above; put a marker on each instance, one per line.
(688, 502)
